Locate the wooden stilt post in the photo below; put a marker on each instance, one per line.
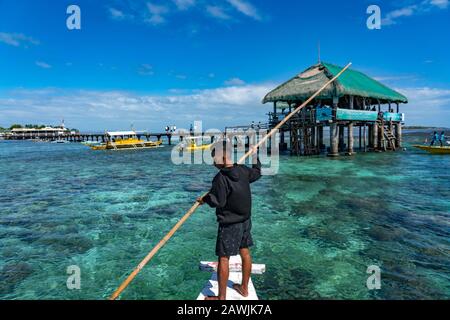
(350, 139)
(382, 139)
(274, 115)
(314, 139)
(334, 140)
(334, 132)
(360, 137)
(341, 137)
(375, 135)
(320, 138)
(364, 141)
(399, 134)
(290, 128)
(350, 131)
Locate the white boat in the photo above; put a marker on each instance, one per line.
(211, 288)
(91, 143)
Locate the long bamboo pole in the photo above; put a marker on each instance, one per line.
(196, 204)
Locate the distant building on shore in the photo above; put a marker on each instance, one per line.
(41, 133)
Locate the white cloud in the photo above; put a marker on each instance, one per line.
(157, 13)
(245, 8)
(403, 12)
(234, 82)
(146, 70)
(395, 78)
(443, 4)
(219, 107)
(43, 64)
(17, 39)
(427, 106)
(184, 4)
(421, 7)
(217, 12)
(117, 14)
(100, 110)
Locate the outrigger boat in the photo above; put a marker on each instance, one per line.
(125, 140)
(194, 144)
(434, 149)
(212, 286)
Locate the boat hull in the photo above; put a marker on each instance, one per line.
(139, 144)
(195, 148)
(434, 149)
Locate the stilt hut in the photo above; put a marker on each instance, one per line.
(353, 103)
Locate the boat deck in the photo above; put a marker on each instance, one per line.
(211, 288)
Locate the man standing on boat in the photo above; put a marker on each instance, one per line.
(435, 138)
(442, 138)
(230, 194)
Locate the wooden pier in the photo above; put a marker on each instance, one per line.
(166, 137)
(83, 137)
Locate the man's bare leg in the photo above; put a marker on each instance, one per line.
(246, 270)
(222, 274)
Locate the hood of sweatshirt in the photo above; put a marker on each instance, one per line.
(231, 172)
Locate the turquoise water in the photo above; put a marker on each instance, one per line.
(318, 224)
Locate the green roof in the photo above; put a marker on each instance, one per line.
(351, 82)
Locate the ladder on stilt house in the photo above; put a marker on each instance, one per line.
(388, 140)
(309, 147)
(303, 142)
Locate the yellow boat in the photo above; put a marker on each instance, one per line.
(192, 146)
(434, 149)
(125, 140)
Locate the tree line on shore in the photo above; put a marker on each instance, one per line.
(30, 126)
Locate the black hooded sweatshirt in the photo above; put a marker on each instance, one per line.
(230, 193)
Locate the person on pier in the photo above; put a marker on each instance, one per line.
(230, 194)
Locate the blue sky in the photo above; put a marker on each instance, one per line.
(153, 63)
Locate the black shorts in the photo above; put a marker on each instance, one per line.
(232, 237)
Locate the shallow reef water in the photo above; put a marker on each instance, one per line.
(317, 225)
